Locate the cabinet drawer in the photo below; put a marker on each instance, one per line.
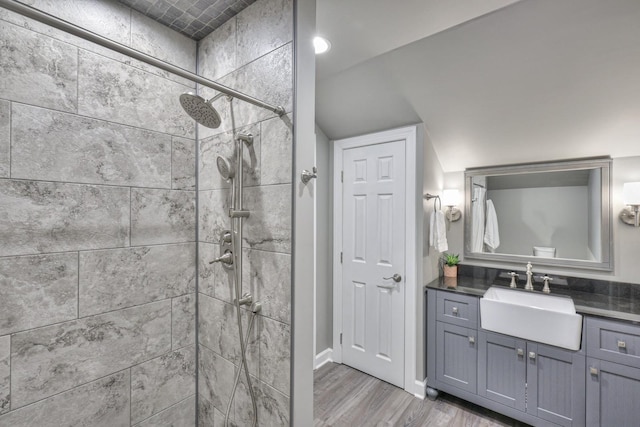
(461, 310)
(614, 341)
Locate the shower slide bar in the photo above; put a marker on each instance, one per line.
(75, 30)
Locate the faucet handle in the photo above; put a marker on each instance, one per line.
(546, 280)
(514, 276)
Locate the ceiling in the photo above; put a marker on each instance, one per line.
(193, 18)
(510, 82)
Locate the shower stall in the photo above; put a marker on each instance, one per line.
(140, 285)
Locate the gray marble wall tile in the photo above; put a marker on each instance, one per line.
(117, 92)
(37, 290)
(181, 414)
(183, 321)
(277, 157)
(118, 278)
(217, 51)
(5, 138)
(110, 19)
(213, 214)
(215, 280)
(37, 69)
(47, 30)
(162, 216)
(275, 357)
(102, 403)
(162, 382)
(56, 358)
(263, 27)
(52, 146)
(269, 226)
(223, 144)
(273, 406)
(218, 330)
(151, 37)
(209, 416)
(5, 371)
(268, 78)
(40, 217)
(215, 379)
(267, 275)
(183, 163)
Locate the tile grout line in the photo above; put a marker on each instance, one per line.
(113, 248)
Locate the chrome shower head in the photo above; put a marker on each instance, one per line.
(224, 167)
(200, 109)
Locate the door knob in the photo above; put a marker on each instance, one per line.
(396, 278)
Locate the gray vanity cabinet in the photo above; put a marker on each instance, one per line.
(555, 384)
(502, 369)
(457, 356)
(544, 381)
(613, 394)
(613, 373)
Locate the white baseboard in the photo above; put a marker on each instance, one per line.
(323, 357)
(418, 389)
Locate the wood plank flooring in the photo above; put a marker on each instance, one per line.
(344, 396)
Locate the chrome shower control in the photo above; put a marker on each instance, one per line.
(226, 258)
(307, 176)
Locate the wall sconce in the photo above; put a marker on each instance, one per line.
(451, 199)
(631, 197)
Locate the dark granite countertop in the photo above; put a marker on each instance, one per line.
(611, 305)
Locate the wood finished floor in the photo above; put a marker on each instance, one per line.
(343, 396)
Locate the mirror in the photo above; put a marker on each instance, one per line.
(556, 214)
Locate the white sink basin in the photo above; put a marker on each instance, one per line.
(537, 317)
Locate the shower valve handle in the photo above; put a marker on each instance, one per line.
(226, 258)
(307, 176)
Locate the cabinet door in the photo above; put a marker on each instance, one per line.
(457, 357)
(613, 394)
(555, 384)
(502, 369)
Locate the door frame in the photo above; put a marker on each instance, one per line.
(409, 135)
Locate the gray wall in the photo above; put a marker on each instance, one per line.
(595, 214)
(324, 243)
(97, 224)
(626, 243)
(252, 53)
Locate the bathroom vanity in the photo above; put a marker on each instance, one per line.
(540, 384)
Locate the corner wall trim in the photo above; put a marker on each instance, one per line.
(420, 389)
(323, 358)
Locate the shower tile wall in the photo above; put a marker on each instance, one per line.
(251, 52)
(97, 224)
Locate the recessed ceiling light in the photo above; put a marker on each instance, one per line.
(321, 45)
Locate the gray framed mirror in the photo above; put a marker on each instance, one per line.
(555, 214)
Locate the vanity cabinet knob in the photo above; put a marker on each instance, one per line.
(593, 371)
(455, 310)
(472, 340)
(532, 355)
(622, 344)
(520, 352)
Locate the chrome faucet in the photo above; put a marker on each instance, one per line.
(529, 285)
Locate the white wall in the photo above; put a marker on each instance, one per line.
(324, 243)
(626, 239)
(432, 182)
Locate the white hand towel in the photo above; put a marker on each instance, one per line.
(437, 232)
(491, 233)
(477, 215)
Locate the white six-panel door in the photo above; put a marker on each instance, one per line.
(373, 249)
